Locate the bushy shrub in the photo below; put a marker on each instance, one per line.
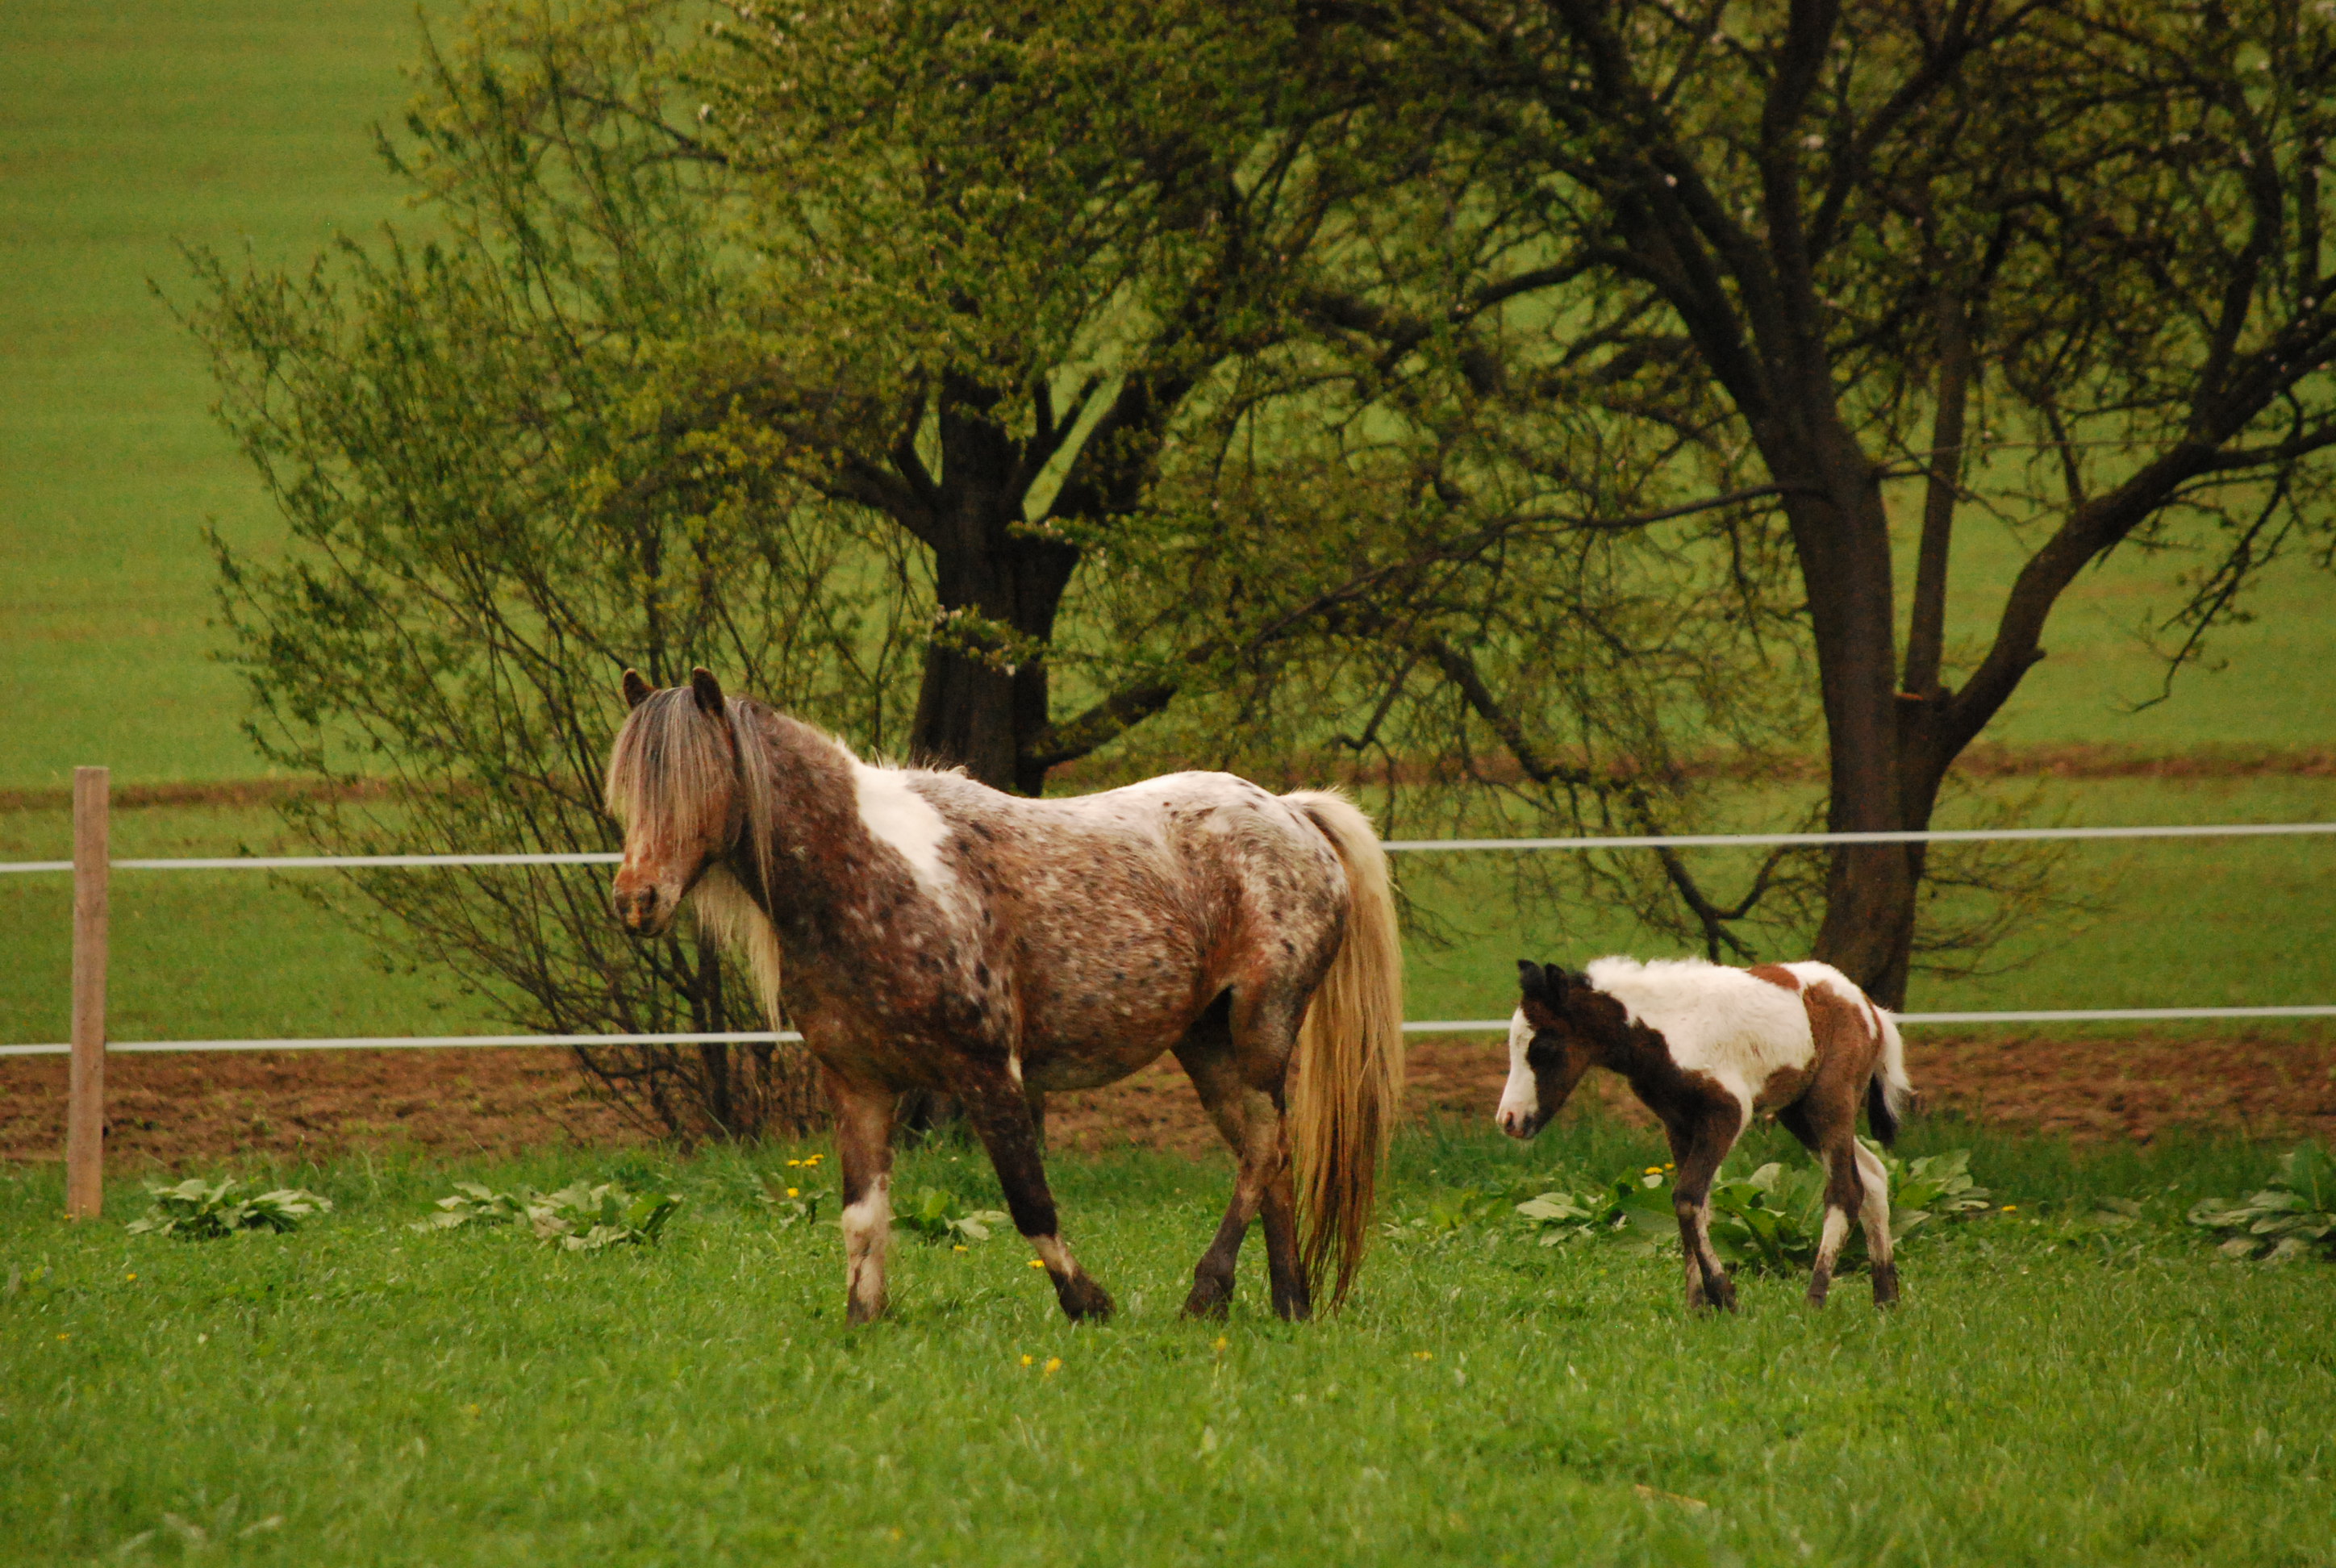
(577, 1218)
(2292, 1218)
(198, 1210)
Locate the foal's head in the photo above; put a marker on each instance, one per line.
(1548, 1053)
(674, 784)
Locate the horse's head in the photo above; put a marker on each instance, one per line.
(1547, 1053)
(673, 783)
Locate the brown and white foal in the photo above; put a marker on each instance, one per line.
(1704, 1046)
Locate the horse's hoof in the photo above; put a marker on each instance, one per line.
(1083, 1300)
(1208, 1304)
(1886, 1285)
(857, 1312)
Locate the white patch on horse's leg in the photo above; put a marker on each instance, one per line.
(1874, 1212)
(1836, 1230)
(898, 816)
(867, 1232)
(1521, 1096)
(1054, 1255)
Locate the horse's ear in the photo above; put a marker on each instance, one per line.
(706, 690)
(636, 690)
(1543, 983)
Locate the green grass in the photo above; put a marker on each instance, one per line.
(127, 129)
(2045, 1396)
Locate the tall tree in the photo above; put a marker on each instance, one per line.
(1807, 237)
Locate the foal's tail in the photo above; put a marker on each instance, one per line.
(1347, 1077)
(1887, 1092)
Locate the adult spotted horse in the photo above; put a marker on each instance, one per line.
(937, 934)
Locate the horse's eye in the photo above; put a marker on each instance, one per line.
(1544, 1051)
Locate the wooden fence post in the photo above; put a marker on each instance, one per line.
(85, 1114)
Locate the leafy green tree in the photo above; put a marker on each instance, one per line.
(1785, 250)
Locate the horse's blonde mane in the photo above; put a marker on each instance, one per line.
(670, 765)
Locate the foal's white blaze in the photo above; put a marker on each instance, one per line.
(903, 818)
(1717, 1020)
(867, 1227)
(1520, 1099)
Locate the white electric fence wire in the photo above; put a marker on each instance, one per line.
(1422, 1026)
(1393, 846)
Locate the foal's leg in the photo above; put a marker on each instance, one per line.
(1844, 1196)
(1876, 1217)
(1001, 1113)
(1708, 1137)
(863, 1143)
(1249, 1119)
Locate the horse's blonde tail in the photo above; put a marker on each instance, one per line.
(1348, 1076)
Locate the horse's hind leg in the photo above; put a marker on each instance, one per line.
(1876, 1217)
(863, 1143)
(1000, 1114)
(1844, 1196)
(1250, 1121)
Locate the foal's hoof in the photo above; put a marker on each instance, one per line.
(1084, 1300)
(1885, 1285)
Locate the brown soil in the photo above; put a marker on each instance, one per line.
(171, 1111)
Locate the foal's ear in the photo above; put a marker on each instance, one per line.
(636, 690)
(706, 690)
(1543, 983)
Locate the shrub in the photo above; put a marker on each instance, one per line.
(1769, 1220)
(936, 1216)
(198, 1210)
(2291, 1218)
(577, 1218)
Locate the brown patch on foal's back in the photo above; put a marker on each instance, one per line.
(1776, 975)
(1845, 1033)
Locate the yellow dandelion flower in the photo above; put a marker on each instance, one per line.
(1423, 1355)
(1054, 1364)
(795, 1192)
(131, 1277)
(1654, 1170)
(1037, 1262)
(794, 1163)
(960, 1248)
(2011, 1208)
(1220, 1344)
(1027, 1360)
(64, 1336)
(1671, 1167)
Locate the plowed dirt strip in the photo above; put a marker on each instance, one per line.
(174, 1111)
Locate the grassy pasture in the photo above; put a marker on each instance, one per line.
(356, 1392)
(127, 129)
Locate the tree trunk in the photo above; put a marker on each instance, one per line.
(983, 702)
(1841, 536)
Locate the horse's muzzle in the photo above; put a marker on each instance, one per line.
(639, 908)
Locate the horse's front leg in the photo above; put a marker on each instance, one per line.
(1001, 1113)
(863, 1144)
(1709, 1137)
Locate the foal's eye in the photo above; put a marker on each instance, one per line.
(1544, 1051)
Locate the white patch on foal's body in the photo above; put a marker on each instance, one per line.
(898, 816)
(1717, 1020)
(1521, 1096)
